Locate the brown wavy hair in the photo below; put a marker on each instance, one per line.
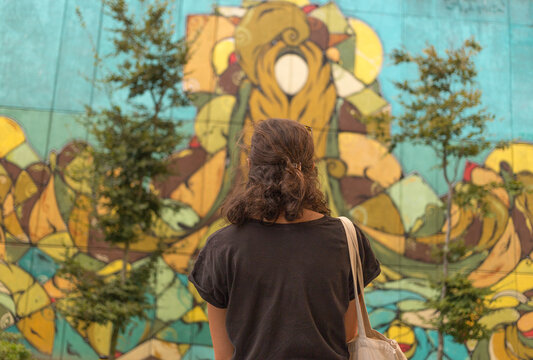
(282, 178)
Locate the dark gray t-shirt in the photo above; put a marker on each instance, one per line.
(286, 287)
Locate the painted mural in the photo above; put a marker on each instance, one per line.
(289, 59)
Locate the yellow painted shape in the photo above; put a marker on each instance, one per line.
(162, 230)
(30, 300)
(299, 3)
(203, 186)
(45, 217)
(195, 293)
(520, 279)
(525, 323)
(183, 348)
(5, 184)
(202, 33)
(503, 302)
(498, 346)
(460, 222)
(12, 225)
(221, 54)
(11, 135)
(24, 188)
(401, 333)
(394, 242)
(77, 173)
(367, 102)
(154, 348)
(369, 213)
(518, 156)
(9, 204)
(333, 54)
(3, 256)
(501, 260)
(368, 51)
(57, 245)
(14, 278)
(212, 123)
(493, 226)
(144, 243)
(387, 274)
(179, 255)
(113, 268)
(78, 222)
(420, 318)
(99, 337)
(196, 314)
(483, 176)
(367, 157)
(515, 345)
(39, 329)
(500, 316)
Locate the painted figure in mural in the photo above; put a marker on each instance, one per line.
(277, 280)
(285, 59)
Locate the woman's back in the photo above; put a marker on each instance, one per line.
(286, 286)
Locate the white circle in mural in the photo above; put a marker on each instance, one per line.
(291, 73)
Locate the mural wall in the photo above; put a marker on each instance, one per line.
(323, 64)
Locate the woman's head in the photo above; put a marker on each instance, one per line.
(282, 178)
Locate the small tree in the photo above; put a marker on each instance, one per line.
(132, 144)
(442, 111)
(11, 348)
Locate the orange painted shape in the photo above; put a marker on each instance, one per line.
(5, 184)
(203, 32)
(497, 346)
(52, 290)
(12, 225)
(78, 222)
(9, 204)
(45, 217)
(39, 329)
(180, 253)
(525, 323)
(501, 260)
(2, 245)
(483, 176)
(393, 242)
(202, 188)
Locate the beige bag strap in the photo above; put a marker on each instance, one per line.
(363, 322)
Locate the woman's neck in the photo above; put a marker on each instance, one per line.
(307, 215)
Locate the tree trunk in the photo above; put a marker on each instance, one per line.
(124, 271)
(113, 343)
(445, 250)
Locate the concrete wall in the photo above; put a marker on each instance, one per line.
(341, 73)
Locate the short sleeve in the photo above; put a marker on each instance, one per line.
(209, 275)
(371, 266)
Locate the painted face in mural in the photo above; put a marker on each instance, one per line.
(285, 59)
